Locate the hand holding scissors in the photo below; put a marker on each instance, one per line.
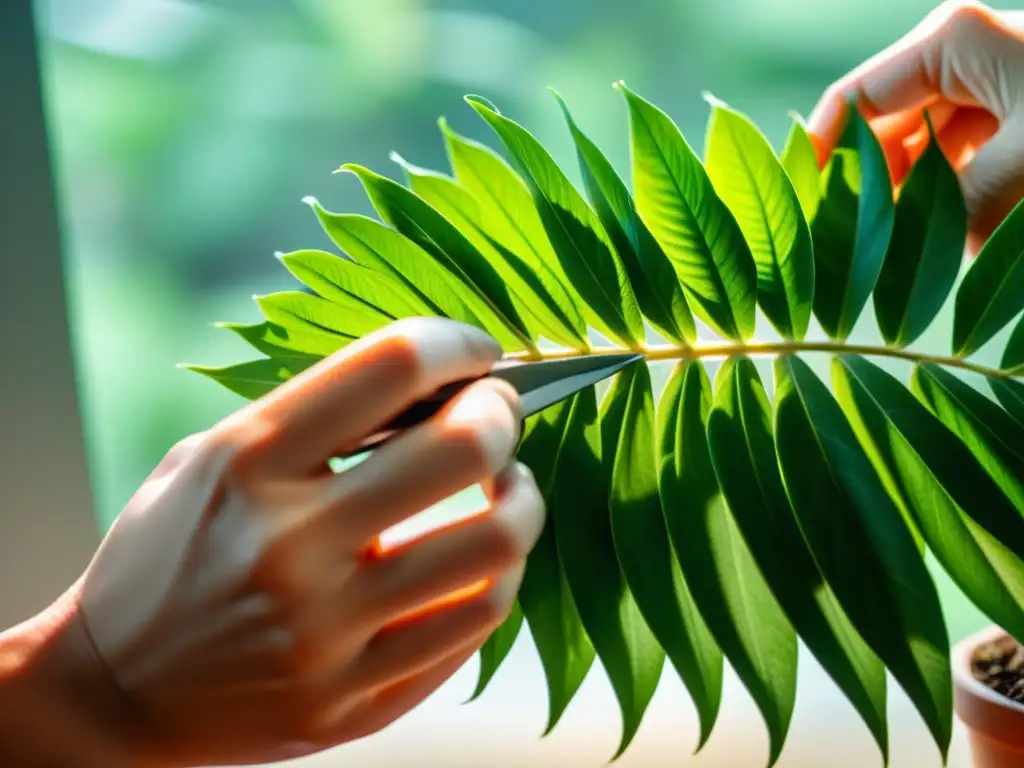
(241, 609)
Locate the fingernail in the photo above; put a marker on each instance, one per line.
(449, 350)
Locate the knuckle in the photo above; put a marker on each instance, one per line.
(477, 444)
(963, 17)
(399, 355)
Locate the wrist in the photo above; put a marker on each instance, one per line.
(59, 706)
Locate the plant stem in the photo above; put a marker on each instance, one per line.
(710, 350)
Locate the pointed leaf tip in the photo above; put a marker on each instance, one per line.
(713, 100)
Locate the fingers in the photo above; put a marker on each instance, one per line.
(950, 55)
(438, 564)
(348, 396)
(992, 177)
(473, 438)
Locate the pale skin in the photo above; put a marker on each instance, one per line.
(242, 609)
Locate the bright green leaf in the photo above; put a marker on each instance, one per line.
(750, 180)
(861, 543)
(643, 548)
(800, 160)
(852, 228)
(657, 288)
(727, 586)
(306, 312)
(992, 291)
(586, 255)
(274, 341)
(566, 652)
(628, 651)
(744, 457)
(252, 379)
(496, 648)
(539, 310)
(678, 202)
(335, 278)
(481, 286)
(928, 239)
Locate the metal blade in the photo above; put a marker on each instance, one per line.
(542, 384)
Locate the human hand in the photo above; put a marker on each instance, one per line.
(242, 601)
(964, 63)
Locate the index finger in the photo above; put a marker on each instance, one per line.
(346, 397)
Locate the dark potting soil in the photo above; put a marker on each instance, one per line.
(1000, 666)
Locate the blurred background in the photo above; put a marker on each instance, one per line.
(186, 133)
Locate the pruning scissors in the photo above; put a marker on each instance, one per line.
(540, 385)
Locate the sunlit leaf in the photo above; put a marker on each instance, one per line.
(800, 160)
(861, 543)
(727, 586)
(678, 202)
(252, 379)
(643, 548)
(928, 239)
(992, 291)
(654, 280)
(275, 341)
(628, 651)
(481, 287)
(587, 256)
(496, 648)
(750, 180)
(566, 652)
(305, 312)
(852, 227)
(744, 457)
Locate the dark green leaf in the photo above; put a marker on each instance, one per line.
(510, 218)
(566, 652)
(928, 239)
(587, 256)
(539, 310)
(496, 648)
(992, 291)
(308, 313)
(628, 651)
(252, 379)
(727, 586)
(481, 286)
(698, 232)
(274, 341)
(643, 548)
(861, 542)
(337, 279)
(654, 280)
(800, 160)
(750, 180)
(1011, 395)
(852, 227)
(375, 246)
(1013, 354)
(744, 457)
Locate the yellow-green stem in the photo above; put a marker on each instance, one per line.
(706, 350)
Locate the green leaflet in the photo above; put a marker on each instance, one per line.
(750, 180)
(566, 652)
(698, 232)
(928, 239)
(861, 543)
(744, 457)
(992, 291)
(303, 311)
(643, 548)
(852, 228)
(801, 163)
(481, 287)
(510, 218)
(539, 310)
(337, 279)
(252, 379)
(651, 273)
(1013, 355)
(375, 246)
(727, 586)
(587, 257)
(628, 651)
(275, 341)
(496, 648)
(1010, 394)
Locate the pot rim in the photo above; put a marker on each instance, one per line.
(981, 709)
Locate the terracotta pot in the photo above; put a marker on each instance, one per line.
(994, 723)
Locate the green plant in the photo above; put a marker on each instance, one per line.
(726, 524)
